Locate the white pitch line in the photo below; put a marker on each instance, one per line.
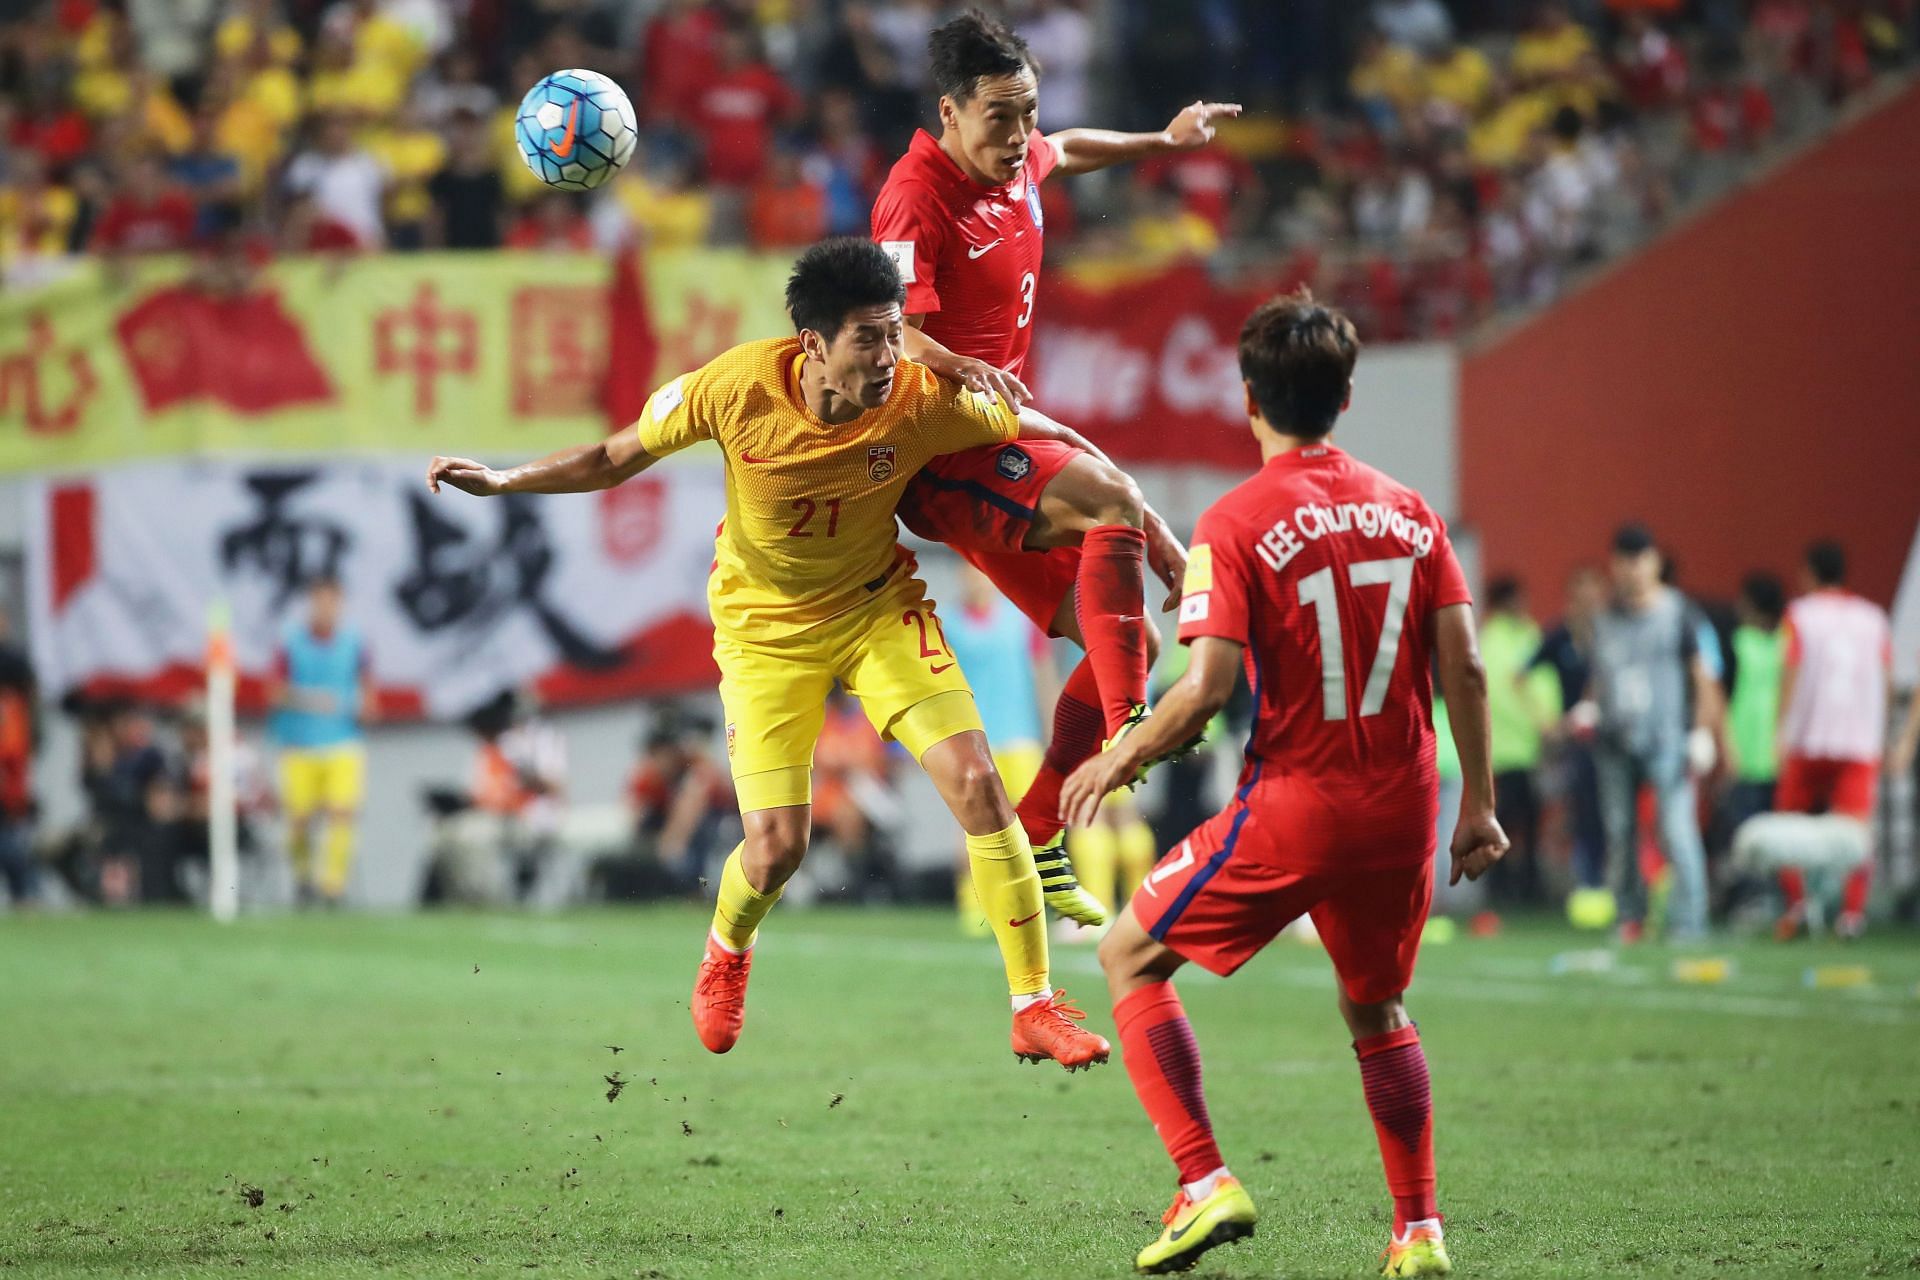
(1548, 990)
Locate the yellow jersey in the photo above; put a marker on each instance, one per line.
(810, 531)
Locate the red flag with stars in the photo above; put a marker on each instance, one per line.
(244, 352)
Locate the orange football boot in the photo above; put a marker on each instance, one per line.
(720, 996)
(1045, 1031)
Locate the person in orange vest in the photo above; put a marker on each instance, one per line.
(17, 689)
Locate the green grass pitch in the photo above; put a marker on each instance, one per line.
(339, 1096)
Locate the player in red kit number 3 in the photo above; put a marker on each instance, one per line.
(1060, 531)
(1335, 586)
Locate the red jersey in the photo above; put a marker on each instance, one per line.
(1329, 572)
(970, 255)
(164, 226)
(736, 113)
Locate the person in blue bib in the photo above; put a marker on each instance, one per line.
(1011, 670)
(320, 697)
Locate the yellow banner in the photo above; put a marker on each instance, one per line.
(496, 354)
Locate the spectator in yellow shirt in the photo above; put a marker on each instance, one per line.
(656, 204)
(346, 80)
(1385, 81)
(249, 21)
(1460, 77)
(1552, 49)
(411, 155)
(36, 215)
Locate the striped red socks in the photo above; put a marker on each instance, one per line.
(1077, 730)
(1163, 1061)
(1109, 599)
(1393, 1072)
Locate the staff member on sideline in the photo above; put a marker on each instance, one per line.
(320, 697)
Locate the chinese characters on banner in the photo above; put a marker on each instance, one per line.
(481, 354)
(588, 596)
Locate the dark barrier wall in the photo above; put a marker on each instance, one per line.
(1749, 383)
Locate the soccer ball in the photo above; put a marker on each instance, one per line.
(575, 128)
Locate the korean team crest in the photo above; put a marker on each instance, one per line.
(881, 463)
(1013, 463)
(1033, 205)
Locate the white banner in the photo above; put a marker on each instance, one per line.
(588, 596)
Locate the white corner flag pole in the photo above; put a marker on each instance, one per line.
(223, 827)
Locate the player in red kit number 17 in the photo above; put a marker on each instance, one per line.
(1060, 531)
(1335, 586)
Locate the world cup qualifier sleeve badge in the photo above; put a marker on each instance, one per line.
(882, 462)
(1014, 463)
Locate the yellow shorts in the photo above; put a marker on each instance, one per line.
(1019, 765)
(890, 654)
(324, 778)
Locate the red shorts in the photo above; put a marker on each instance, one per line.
(1218, 899)
(1808, 783)
(983, 503)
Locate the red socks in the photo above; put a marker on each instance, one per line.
(1793, 887)
(1076, 736)
(1853, 899)
(1393, 1072)
(1163, 1061)
(1109, 599)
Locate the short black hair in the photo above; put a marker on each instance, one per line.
(1297, 358)
(1632, 538)
(837, 277)
(1764, 595)
(1504, 592)
(971, 48)
(1827, 562)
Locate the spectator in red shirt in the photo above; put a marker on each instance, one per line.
(1212, 182)
(786, 208)
(1651, 64)
(1728, 115)
(148, 215)
(736, 112)
(679, 56)
(552, 223)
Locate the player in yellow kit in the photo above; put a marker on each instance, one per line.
(821, 433)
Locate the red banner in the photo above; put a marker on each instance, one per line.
(1148, 370)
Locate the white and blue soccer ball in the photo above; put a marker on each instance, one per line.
(575, 129)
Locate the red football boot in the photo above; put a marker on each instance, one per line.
(1045, 1030)
(720, 996)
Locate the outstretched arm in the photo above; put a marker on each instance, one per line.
(1183, 711)
(1084, 150)
(583, 468)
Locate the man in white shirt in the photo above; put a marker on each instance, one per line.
(344, 181)
(1833, 719)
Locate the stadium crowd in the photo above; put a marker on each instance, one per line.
(1621, 808)
(1420, 162)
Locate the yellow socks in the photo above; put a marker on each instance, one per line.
(1095, 852)
(973, 920)
(739, 908)
(300, 850)
(1138, 852)
(338, 847)
(1009, 890)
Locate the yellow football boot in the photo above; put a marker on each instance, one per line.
(1193, 1227)
(1422, 1253)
